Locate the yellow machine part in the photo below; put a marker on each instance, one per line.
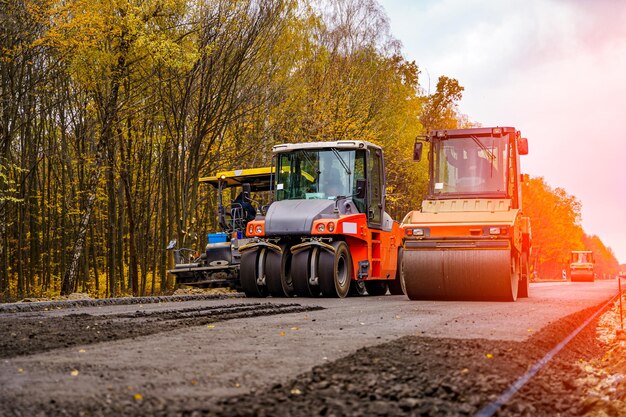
(460, 274)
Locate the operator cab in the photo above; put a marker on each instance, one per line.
(479, 164)
(347, 172)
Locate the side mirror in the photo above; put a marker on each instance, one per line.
(417, 151)
(523, 178)
(246, 190)
(522, 146)
(361, 184)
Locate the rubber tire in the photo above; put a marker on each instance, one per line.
(335, 270)
(395, 286)
(278, 273)
(357, 288)
(376, 288)
(522, 289)
(515, 276)
(301, 272)
(249, 271)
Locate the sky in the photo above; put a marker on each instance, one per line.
(554, 69)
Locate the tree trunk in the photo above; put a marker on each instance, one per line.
(109, 116)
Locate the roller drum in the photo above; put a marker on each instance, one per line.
(582, 276)
(455, 274)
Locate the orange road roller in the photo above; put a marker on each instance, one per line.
(470, 240)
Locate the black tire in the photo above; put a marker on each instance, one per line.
(301, 265)
(357, 288)
(335, 271)
(251, 268)
(395, 286)
(376, 288)
(278, 273)
(515, 276)
(522, 289)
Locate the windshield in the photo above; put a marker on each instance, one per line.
(469, 165)
(318, 174)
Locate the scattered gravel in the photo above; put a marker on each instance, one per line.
(35, 305)
(413, 375)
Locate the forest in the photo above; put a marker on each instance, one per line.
(111, 110)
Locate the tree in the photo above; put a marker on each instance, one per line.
(555, 223)
(439, 111)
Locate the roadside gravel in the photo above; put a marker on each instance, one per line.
(412, 375)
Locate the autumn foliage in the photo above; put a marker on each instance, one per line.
(556, 231)
(110, 111)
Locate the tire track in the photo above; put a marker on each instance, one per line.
(30, 335)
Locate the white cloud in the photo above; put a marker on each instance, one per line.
(552, 68)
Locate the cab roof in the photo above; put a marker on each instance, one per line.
(258, 178)
(340, 144)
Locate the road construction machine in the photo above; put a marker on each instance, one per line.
(218, 265)
(326, 231)
(470, 240)
(581, 267)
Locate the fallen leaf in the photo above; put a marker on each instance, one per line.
(138, 397)
(489, 356)
(237, 385)
(296, 391)
(530, 330)
(194, 382)
(464, 370)
(282, 333)
(20, 370)
(295, 328)
(74, 372)
(211, 326)
(81, 350)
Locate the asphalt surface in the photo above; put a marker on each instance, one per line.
(182, 358)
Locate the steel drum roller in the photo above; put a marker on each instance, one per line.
(457, 274)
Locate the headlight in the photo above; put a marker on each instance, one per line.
(258, 230)
(320, 227)
(494, 231)
(331, 227)
(418, 232)
(250, 229)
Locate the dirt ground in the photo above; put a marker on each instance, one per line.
(412, 375)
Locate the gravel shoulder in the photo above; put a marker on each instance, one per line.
(355, 357)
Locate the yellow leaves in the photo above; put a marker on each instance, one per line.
(296, 391)
(282, 333)
(138, 397)
(489, 355)
(20, 370)
(74, 372)
(210, 326)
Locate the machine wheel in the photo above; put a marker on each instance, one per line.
(335, 271)
(515, 276)
(278, 273)
(395, 286)
(357, 288)
(522, 291)
(252, 271)
(376, 288)
(451, 274)
(303, 267)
